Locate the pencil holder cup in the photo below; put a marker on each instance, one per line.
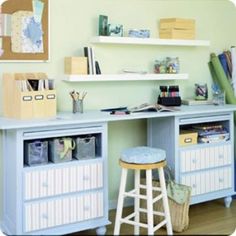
(78, 106)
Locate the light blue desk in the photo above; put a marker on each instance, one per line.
(73, 196)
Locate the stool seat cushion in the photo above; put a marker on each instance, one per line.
(143, 155)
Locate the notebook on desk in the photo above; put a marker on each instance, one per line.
(192, 102)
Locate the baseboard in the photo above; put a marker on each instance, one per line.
(128, 202)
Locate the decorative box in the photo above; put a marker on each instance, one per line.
(177, 28)
(177, 23)
(187, 137)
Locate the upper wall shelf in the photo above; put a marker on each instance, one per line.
(149, 41)
(124, 77)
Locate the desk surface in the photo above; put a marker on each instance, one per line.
(68, 118)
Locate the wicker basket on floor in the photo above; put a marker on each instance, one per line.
(179, 212)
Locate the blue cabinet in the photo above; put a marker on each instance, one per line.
(207, 167)
(55, 198)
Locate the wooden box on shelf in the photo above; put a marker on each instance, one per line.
(177, 23)
(177, 28)
(176, 34)
(76, 65)
(22, 101)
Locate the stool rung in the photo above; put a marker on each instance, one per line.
(157, 198)
(159, 225)
(129, 216)
(131, 222)
(153, 188)
(132, 194)
(157, 213)
(142, 186)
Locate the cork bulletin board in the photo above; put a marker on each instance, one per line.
(24, 30)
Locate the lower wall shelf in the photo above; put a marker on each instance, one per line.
(124, 77)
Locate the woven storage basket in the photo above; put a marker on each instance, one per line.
(179, 212)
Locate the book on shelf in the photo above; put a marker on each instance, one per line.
(87, 53)
(92, 60)
(192, 101)
(146, 107)
(98, 70)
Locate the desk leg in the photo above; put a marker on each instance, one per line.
(101, 230)
(228, 201)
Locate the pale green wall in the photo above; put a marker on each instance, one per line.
(74, 22)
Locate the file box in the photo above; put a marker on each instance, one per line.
(60, 149)
(84, 148)
(20, 101)
(36, 152)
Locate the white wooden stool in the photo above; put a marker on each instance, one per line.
(137, 159)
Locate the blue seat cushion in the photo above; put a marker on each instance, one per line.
(143, 155)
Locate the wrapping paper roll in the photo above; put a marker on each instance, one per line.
(233, 58)
(218, 72)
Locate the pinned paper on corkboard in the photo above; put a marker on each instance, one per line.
(24, 30)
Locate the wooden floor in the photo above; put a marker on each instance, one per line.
(210, 218)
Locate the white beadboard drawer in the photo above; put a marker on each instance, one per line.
(61, 211)
(208, 181)
(205, 157)
(62, 180)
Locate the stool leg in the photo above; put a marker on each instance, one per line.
(165, 201)
(120, 201)
(136, 204)
(149, 202)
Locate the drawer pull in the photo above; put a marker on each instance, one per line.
(221, 156)
(221, 180)
(45, 185)
(86, 178)
(86, 208)
(194, 185)
(45, 216)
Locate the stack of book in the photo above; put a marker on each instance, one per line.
(177, 28)
(209, 133)
(93, 67)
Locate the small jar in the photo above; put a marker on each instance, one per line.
(201, 92)
(172, 65)
(160, 66)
